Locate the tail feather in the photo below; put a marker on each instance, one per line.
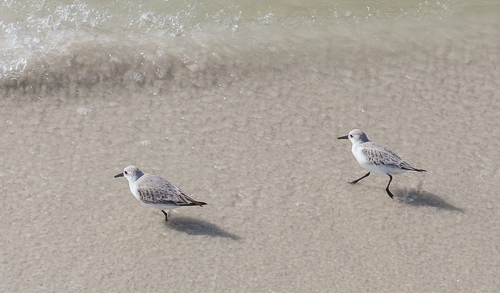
(405, 165)
(200, 203)
(192, 201)
(195, 203)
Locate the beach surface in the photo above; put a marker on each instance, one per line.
(241, 108)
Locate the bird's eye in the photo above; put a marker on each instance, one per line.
(125, 172)
(350, 135)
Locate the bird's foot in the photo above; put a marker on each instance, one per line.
(166, 214)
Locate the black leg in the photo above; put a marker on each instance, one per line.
(356, 181)
(387, 189)
(166, 215)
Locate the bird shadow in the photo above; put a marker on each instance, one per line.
(198, 227)
(418, 198)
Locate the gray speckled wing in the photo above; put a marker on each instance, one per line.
(160, 191)
(380, 155)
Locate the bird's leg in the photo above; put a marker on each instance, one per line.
(387, 189)
(357, 180)
(166, 214)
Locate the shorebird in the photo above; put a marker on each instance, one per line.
(377, 158)
(156, 192)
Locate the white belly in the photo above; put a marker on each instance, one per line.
(161, 206)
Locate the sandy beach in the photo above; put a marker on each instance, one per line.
(247, 120)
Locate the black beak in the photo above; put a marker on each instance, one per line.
(119, 175)
(342, 137)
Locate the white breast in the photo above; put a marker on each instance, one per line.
(357, 151)
(135, 190)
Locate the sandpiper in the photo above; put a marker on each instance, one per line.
(377, 158)
(156, 192)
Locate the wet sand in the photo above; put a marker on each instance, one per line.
(256, 138)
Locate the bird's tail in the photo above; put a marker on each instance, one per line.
(189, 201)
(199, 203)
(195, 203)
(406, 166)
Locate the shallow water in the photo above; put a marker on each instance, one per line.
(240, 106)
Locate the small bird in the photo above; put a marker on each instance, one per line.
(156, 192)
(377, 158)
